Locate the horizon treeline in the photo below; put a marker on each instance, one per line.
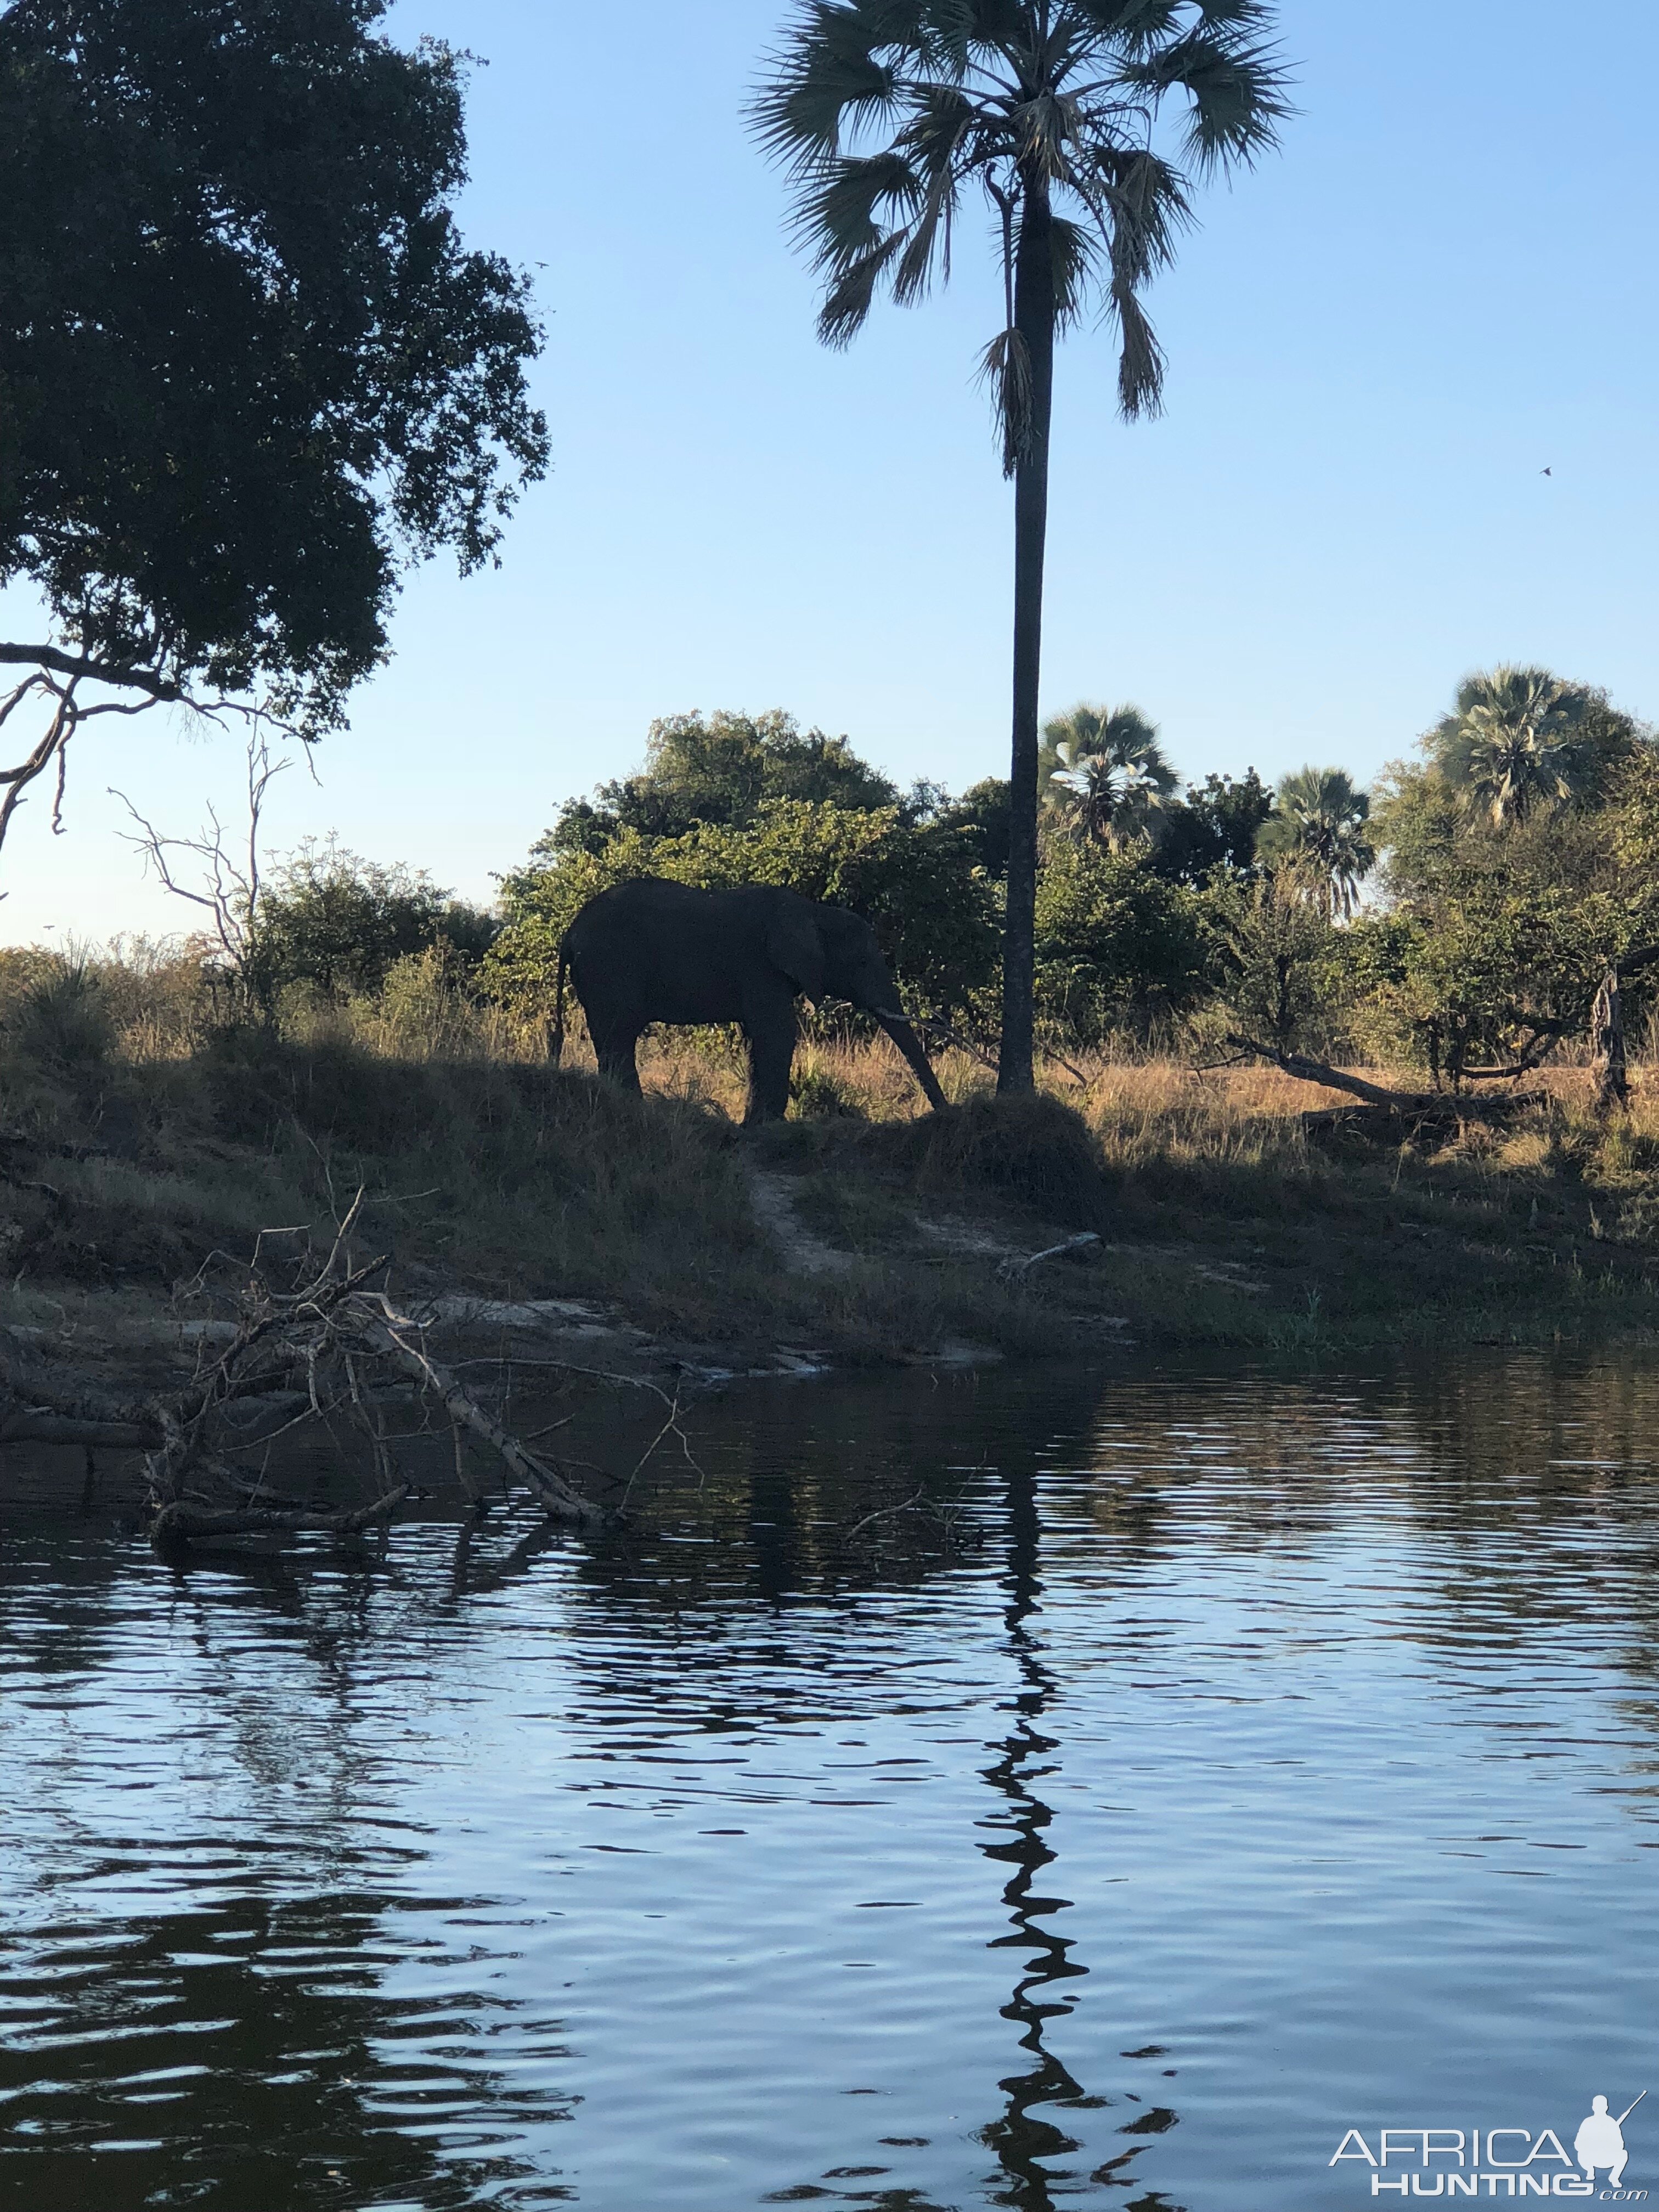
(1459, 916)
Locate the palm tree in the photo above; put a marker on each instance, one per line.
(1316, 837)
(1103, 769)
(887, 112)
(1513, 745)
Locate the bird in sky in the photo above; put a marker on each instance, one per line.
(1548, 472)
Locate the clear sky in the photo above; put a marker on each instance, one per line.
(1446, 283)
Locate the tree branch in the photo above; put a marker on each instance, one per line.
(77, 667)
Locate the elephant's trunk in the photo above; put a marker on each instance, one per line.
(909, 1044)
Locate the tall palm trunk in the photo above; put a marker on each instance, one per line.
(1034, 319)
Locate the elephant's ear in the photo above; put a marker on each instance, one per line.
(794, 947)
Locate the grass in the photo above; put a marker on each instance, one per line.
(139, 1134)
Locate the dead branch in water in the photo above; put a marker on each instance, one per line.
(324, 1350)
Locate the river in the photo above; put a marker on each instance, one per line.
(1026, 1789)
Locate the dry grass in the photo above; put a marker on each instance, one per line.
(142, 1135)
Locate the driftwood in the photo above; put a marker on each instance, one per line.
(329, 1352)
(1015, 1270)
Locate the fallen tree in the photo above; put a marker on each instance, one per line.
(1406, 1106)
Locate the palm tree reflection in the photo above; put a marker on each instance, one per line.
(1020, 2138)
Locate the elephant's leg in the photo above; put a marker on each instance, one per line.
(613, 1049)
(770, 1029)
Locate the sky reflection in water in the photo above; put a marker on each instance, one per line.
(1172, 1775)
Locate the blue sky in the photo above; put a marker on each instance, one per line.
(1445, 283)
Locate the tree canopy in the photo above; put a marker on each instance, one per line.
(933, 910)
(1101, 772)
(1212, 827)
(248, 368)
(720, 769)
(1521, 741)
(329, 918)
(1318, 834)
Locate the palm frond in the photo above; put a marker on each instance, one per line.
(847, 302)
(1134, 27)
(1056, 98)
(1006, 365)
(825, 77)
(838, 218)
(1076, 254)
(1233, 87)
(1140, 358)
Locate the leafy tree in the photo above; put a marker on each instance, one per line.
(722, 769)
(333, 919)
(1117, 945)
(981, 813)
(1212, 828)
(1101, 772)
(1512, 746)
(1487, 970)
(886, 113)
(247, 368)
(1318, 836)
(933, 910)
(1281, 965)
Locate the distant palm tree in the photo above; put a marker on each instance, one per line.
(885, 112)
(1317, 836)
(1513, 745)
(1102, 770)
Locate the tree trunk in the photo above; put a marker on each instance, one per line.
(1608, 1044)
(1034, 319)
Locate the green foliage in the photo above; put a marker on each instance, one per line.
(916, 883)
(1486, 968)
(1102, 773)
(1282, 963)
(1521, 742)
(1212, 827)
(1514, 879)
(1117, 944)
(720, 769)
(981, 813)
(1317, 836)
(340, 923)
(247, 366)
(61, 1016)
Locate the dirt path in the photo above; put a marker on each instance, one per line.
(772, 1197)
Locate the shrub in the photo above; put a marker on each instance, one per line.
(1117, 945)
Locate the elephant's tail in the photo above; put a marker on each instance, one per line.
(555, 1042)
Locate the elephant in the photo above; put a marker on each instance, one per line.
(651, 950)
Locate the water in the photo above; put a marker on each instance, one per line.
(1174, 1774)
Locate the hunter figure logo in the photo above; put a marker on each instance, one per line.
(1499, 2161)
(1600, 2141)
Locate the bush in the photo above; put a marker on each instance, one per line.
(332, 920)
(61, 1017)
(1117, 945)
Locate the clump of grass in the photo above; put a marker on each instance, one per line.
(60, 1018)
(1035, 1150)
(819, 1092)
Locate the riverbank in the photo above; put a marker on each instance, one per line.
(543, 1210)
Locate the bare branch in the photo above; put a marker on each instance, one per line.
(229, 888)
